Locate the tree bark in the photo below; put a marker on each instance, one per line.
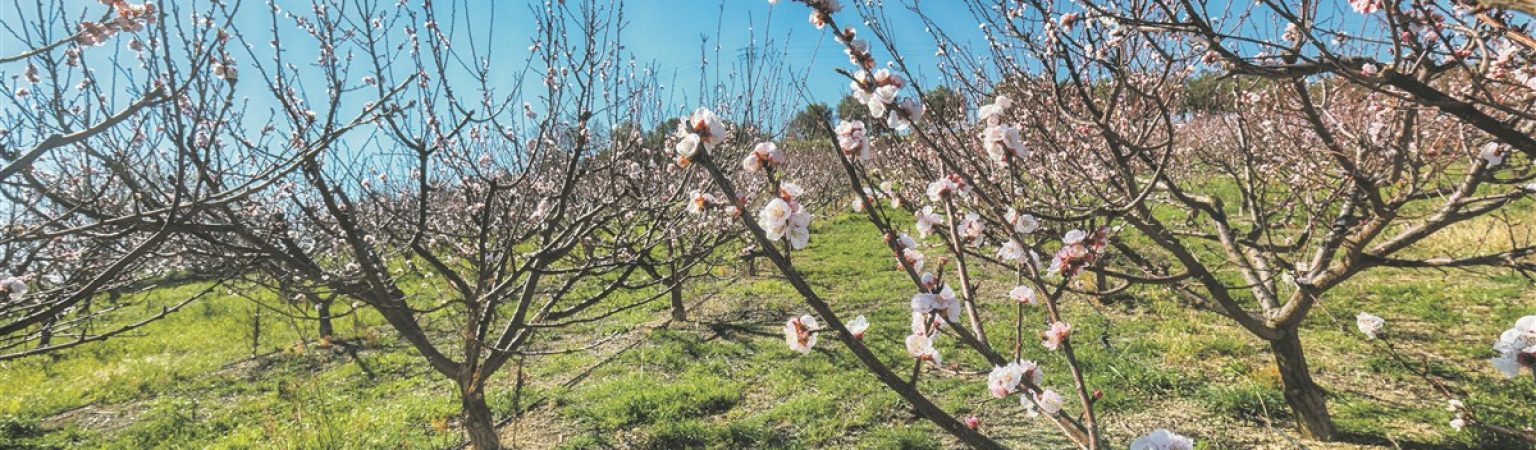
(323, 310)
(679, 311)
(1305, 397)
(47, 334)
(478, 422)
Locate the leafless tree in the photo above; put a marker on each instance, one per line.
(97, 209)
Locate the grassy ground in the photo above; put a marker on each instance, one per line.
(725, 379)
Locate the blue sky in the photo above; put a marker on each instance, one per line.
(671, 34)
(669, 31)
(666, 33)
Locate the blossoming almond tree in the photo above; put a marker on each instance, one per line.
(98, 188)
(1325, 170)
(1294, 153)
(1339, 142)
(937, 307)
(475, 223)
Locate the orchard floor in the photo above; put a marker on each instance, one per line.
(725, 379)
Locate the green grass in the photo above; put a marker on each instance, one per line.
(726, 380)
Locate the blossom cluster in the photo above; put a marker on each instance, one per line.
(1078, 250)
(704, 128)
(943, 302)
(852, 139)
(879, 92)
(126, 17)
(1005, 380)
(1001, 141)
(785, 218)
(910, 255)
(948, 185)
(765, 154)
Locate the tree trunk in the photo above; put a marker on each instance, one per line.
(478, 422)
(1305, 398)
(256, 333)
(323, 309)
(46, 337)
(679, 312)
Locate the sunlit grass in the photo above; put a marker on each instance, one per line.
(726, 380)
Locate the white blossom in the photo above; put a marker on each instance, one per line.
(699, 201)
(1010, 251)
(926, 220)
(1516, 347)
(1161, 439)
(1022, 223)
(13, 286)
(1023, 294)
(800, 333)
(1004, 379)
(1048, 401)
(1493, 153)
(920, 346)
(704, 123)
(1369, 324)
(774, 219)
(857, 326)
(1074, 237)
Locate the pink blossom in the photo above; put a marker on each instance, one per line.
(1067, 21)
(947, 185)
(800, 333)
(908, 111)
(972, 230)
(1365, 6)
(1005, 380)
(1003, 143)
(1058, 333)
(850, 137)
(926, 220)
